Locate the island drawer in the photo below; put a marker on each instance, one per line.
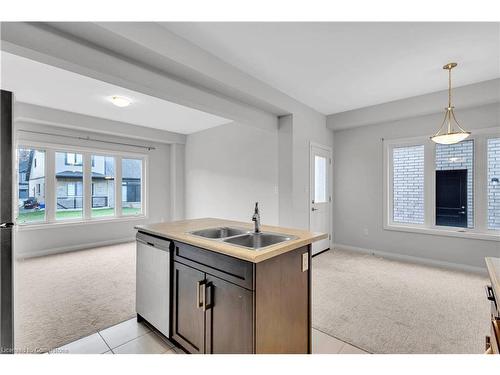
(237, 271)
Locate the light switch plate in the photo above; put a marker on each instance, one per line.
(305, 262)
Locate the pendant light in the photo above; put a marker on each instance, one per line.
(454, 133)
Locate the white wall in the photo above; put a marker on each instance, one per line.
(185, 75)
(228, 169)
(66, 237)
(285, 170)
(358, 191)
(178, 180)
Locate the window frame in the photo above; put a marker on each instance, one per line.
(480, 229)
(51, 192)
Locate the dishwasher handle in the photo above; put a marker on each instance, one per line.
(489, 293)
(157, 244)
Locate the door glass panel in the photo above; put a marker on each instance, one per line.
(320, 179)
(103, 186)
(131, 187)
(455, 184)
(31, 186)
(69, 185)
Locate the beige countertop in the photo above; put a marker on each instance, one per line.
(178, 230)
(493, 265)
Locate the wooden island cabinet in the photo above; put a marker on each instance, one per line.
(227, 305)
(231, 299)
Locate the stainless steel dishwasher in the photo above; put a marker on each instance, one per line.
(153, 281)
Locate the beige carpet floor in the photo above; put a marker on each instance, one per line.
(386, 306)
(379, 305)
(61, 298)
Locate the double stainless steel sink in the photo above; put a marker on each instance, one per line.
(242, 237)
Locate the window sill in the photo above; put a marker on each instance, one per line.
(70, 223)
(461, 233)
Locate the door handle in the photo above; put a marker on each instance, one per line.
(199, 302)
(461, 212)
(6, 225)
(205, 305)
(314, 209)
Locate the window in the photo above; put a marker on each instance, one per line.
(71, 189)
(73, 159)
(450, 190)
(320, 182)
(31, 185)
(103, 186)
(455, 184)
(83, 185)
(493, 183)
(131, 186)
(408, 184)
(69, 186)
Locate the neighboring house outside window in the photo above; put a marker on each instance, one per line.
(68, 190)
(36, 176)
(493, 183)
(73, 159)
(23, 182)
(131, 186)
(69, 184)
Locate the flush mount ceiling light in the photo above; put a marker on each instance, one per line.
(120, 101)
(454, 133)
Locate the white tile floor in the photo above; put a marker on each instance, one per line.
(131, 337)
(326, 344)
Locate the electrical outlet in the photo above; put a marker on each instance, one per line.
(305, 262)
(365, 231)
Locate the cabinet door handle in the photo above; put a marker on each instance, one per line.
(199, 301)
(211, 304)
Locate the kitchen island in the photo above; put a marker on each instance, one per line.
(233, 290)
(493, 294)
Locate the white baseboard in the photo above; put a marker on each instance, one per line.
(66, 249)
(412, 259)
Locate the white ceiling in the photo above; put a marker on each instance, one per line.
(45, 85)
(334, 67)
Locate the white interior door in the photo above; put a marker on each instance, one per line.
(320, 191)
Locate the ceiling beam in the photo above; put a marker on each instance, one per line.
(35, 114)
(44, 44)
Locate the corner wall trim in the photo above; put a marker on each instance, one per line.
(412, 259)
(67, 249)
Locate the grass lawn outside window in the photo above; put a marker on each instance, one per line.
(36, 216)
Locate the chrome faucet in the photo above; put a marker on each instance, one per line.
(256, 218)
